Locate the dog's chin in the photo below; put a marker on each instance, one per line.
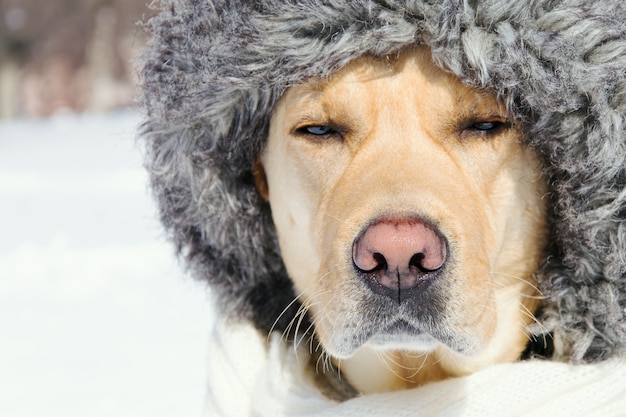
(401, 336)
(407, 342)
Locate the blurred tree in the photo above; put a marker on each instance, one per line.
(67, 54)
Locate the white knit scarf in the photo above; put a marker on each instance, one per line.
(250, 375)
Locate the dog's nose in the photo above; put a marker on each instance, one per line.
(396, 256)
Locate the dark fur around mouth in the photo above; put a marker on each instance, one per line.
(215, 70)
(418, 318)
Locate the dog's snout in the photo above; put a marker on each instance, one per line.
(397, 256)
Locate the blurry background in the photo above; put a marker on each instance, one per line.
(68, 54)
(96, 316)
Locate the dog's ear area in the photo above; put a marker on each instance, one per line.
(260, 180)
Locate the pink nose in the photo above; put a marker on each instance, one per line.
(398, 255)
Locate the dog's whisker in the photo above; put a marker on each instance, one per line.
(302, 310)
(382, 356)
(338, 365)
(397, 363)
(530, 315)
(304, 335)
(288, 328)
(321, 359)
(425, 357)
(282, 314)
(413, 354)
(339, 220)
(308, 333)
(521, 279)
(328, 273)
(324, 361)
(329, 364)
(386, 359)
(297, 319)
(299, 316)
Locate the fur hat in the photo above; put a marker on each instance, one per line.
(215, 69)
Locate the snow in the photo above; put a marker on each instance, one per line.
(96, 316)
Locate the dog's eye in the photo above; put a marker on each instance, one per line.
(484, 128)
(319, 133)
(316, 130)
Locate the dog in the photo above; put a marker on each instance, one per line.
(331, 185)
(411, 219)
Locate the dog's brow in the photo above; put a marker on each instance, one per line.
(317, 118)
(480, 108)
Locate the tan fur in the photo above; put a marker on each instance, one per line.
(405, 149)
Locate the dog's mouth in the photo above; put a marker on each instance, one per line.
(419, 324)
(399, 336)
(402, 327)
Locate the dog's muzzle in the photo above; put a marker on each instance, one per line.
(399, 258)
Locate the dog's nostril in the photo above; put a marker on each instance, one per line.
(376, 262)
(399, 255)
(420, 262)
(417, 262)
(381, 262)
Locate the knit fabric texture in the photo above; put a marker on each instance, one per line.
(251, 375)
(215, 69)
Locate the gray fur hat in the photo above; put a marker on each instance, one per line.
(215, 69)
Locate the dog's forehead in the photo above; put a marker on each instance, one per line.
(367, 71)
(407, 78)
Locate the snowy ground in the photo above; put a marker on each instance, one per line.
(96, 317)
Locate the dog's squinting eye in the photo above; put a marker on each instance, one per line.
(318, 131)
(484, 128)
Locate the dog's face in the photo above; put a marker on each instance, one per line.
(410, 216)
